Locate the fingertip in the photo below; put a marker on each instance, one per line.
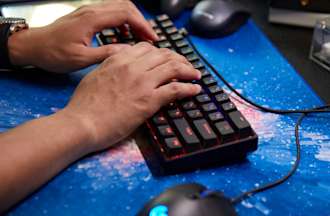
(198, 88)
(199, 75)
(154, 36)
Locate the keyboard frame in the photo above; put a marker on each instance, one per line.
(161, 164)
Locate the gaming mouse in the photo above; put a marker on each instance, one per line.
(217, 18)
(189, 200)
(173, 7)
(170, 7)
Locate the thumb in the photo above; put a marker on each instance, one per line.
(97, 55)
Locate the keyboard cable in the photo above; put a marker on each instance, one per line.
(303, 112)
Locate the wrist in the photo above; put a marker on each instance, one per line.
(21, 47)
(76, 128)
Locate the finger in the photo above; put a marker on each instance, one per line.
(124, 12)
(175, 91)
(174, 70)
(96, 55)
(134, 52)
(144, 30)
(157, 57)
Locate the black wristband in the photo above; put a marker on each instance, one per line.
(4, 53)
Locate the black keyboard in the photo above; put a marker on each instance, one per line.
(193, 133)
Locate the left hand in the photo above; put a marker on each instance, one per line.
(65, 45)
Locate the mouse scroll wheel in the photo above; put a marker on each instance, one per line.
(205, 193)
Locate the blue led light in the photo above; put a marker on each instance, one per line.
(159, 210)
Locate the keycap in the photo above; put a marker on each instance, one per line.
(210, 107)
(162, 18)
(108, 32)
(110, 40)
(164, 44)
(225, 130)
(173, 146)
(131, 42)
(181, 43)
(195, 114)
(159, 119)
(171, 30)
(198, 65)
(175, 113)
(175, 37)
(204, 72)
(209, 81)
(192, 57)
(158, 31)
(206, 132)
(216, 116)
(186, 50)
(215, 89)
(152, 23)
(166, 24)
(191, 141)
(203, 98)
(229, 106)
(240, 123)
(171, 106)
(126, 35)
(189, 105)
(222, 98)
(166, 131)
(161, 38)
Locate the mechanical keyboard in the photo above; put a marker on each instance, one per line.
(202, 131)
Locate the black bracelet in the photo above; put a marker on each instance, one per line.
(4, 53)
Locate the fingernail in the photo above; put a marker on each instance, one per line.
(199, 76)
(156, 37)
(198, 88)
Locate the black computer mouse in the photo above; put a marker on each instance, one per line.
(217, 18)
(173, 7)
(189, 200)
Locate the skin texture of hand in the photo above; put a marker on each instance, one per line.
(65, 45)
(128, 88)
(107, 106)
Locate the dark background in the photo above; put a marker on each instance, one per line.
(294, 43)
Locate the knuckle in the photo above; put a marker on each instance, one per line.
(174, 65)
(126, 67)
(128, 5)
(144, 45)
(175, 88)
(88, 12)
(108, 61)
(165, 52)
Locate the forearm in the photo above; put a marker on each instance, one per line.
(33, 153)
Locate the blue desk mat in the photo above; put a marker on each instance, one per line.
(118, 182)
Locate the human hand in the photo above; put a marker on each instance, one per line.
(128, 88)
(65, 45)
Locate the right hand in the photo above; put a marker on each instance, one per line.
(128, 88)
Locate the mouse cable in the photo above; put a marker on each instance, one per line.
(262, 108)
(294, 168)
(304, 113)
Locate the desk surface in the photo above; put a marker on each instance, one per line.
(118, 182)
(294, 43)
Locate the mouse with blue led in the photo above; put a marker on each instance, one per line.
(189, 200)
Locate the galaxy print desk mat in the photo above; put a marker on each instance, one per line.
(118, 182)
